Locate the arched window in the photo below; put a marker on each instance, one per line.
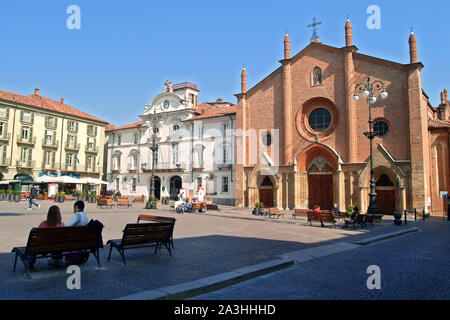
(317, 76)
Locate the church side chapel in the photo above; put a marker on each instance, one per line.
(303, 133)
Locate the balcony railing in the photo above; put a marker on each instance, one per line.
(224, 166)
(133, 167)
(168, 166)
(70, 167)
(198, 165)
(91, 169)
(91, 150)
(5, 162)
(50, 166)
(51, 124)
(25, 164)
(29, 140)
(73, 146)
(5, 137)
(50, 144)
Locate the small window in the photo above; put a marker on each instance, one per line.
(381, 128)
(155, 130)
(320, 119)
(224, 184)
(135, 138)
(199, 182)
(133, 184)
(267, 140)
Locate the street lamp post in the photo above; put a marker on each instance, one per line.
(153, 125)
(368, 90)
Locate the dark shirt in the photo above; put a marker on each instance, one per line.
(33, 193)
(336, 211)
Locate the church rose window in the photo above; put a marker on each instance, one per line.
(381, 128)
(320, 119)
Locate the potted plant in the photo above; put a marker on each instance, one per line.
(10, 195)
(45, 195)
(2, 195)
(349, 212)
(258, 208)
(17, 196)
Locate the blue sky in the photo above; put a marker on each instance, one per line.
(125, 50)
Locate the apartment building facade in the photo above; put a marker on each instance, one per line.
(195, 148)
(40, 136)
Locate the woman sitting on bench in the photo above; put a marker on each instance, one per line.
(54, 220)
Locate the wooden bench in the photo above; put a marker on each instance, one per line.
(197, 207)
(102, 202)
(45, 242)
(321, 217)
(300, 213)
(140, 235)
(213, 207)
(360, 221)
(275, 213)
(138, 199)
(124, 202)
(68, 197)
(146, 217)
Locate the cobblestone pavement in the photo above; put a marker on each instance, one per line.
(205, 245)
(413, 266)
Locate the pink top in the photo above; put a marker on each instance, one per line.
(45, 225)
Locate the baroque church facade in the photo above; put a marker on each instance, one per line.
(300, 134)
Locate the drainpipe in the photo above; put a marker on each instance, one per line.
(192, 152)
(232, 150)
(61, 145)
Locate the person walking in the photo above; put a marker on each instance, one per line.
(33, 195)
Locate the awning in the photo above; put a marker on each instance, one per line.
(9, 181)
(92, 181)
(49, 179)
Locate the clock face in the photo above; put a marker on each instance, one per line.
(166, 104)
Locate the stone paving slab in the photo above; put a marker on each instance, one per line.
(205, 245)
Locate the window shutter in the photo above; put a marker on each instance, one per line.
(30, 155)
(56, 122)
(21, 115)
(95, 130)
(53, 157)
(30, 138)
(7, 113)
(5, 129)
(32, 117)
(4, 152)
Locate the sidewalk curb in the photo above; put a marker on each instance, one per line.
(208, 284)
(367, 241)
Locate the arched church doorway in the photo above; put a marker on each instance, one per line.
(385, 190)
(266, 192)
(175, 186)
(320, 183)
(157, 187)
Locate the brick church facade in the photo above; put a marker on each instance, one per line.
(300, 136)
